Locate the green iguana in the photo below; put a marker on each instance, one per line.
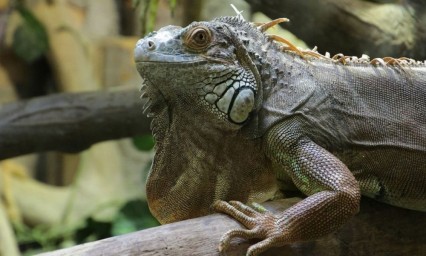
(238, 118)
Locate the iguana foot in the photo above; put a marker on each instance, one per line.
(261, 225)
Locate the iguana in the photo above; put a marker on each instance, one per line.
(239, 117)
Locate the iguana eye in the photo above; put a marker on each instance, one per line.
(198, 38)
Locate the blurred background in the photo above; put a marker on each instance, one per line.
(63, 59)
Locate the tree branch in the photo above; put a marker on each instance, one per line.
(199, 236)
(70, 122)
(372, 232)
(353, 27)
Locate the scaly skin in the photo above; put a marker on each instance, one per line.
(236, 119)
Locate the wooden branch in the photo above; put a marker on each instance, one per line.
(70, 122)
(353, 27)
(198, 236)
(378, 230)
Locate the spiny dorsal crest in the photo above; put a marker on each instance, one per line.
(341, 58)
(239, 22)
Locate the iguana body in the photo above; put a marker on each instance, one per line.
(236, 118)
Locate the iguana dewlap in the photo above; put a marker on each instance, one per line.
(238, 119)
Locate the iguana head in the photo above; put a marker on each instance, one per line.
(206, 66)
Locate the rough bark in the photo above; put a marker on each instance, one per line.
(378, 230)
(70, 122)
(354, 27)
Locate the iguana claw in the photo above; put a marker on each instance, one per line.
(261, 225)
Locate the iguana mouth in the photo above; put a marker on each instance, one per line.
(167, 59)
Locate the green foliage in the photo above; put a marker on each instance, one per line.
(172, 4)
(93, 230)
(148, 13)
(144, 142)
(30, 39)
(41, 238)
(134, 216)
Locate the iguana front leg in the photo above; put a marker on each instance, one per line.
(333, 194)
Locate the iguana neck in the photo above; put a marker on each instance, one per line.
(192, 170)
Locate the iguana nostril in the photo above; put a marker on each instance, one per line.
(151, 45)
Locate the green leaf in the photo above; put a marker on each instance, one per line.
(152, 15)
(144, 142)
(134, 216)
(30, 39)
(135, 3)
(172, 4)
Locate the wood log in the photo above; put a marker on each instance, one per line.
(70, 122)
(378, 229)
